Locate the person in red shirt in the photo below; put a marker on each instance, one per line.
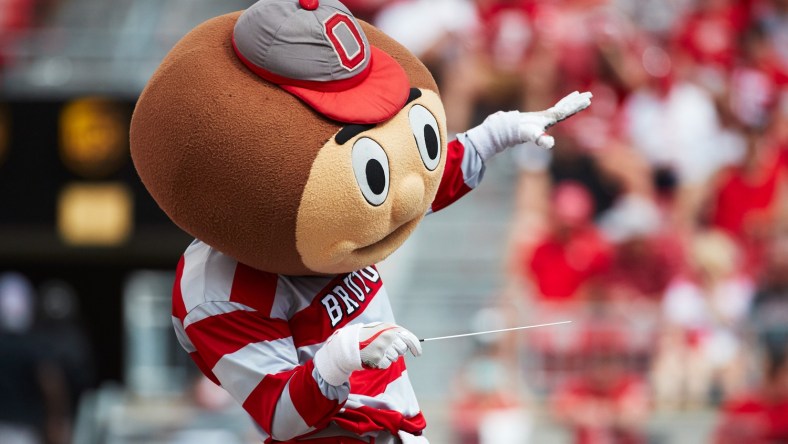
(709, 35)
(747, 197)
(646, 256)
(573, 252)
(495, 62)
(761, 416)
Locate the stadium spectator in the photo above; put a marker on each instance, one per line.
(573, 252)
(761, 416)
(606, 403)
(645, 258)
(673, 122)
(437, 31)
(489, 405)
(496, 63)
(769, 317)
(755, 81)
(658, 17)
(772, 16)
(702, 340)
(574, 162)
(65, 342)
(33, 398)
(746, 200)
(17, 17)
(709, 33)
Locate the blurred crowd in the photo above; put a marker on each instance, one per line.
(657, 224)
(18, 16)
(46, 361)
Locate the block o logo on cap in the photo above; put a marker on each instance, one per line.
(317, 51)
(346, 40)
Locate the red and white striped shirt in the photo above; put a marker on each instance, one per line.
(255, 334)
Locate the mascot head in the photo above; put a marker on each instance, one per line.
(292, 137)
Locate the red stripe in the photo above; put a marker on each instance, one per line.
(369, 419)
(373, 382)
(365, 344)
(452, 186)
(178, 306)
(227, 333)
(312, 325)
(261, 403)
(179, 311)
(254, 288)
(314, 408)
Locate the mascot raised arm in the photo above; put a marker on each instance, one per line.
(300, 146)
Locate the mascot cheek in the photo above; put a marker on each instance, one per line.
(365, 196)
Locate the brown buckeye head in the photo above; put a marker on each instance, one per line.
(228, 155)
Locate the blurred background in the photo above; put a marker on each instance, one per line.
(657, 225)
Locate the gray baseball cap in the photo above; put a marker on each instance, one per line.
(317, 51)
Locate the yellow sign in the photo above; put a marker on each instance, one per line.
(93, 137)
(99, 214)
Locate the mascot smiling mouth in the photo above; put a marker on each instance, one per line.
(388, 243)
(393, 239)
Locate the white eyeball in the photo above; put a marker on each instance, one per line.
(427, 134)
(371, 167)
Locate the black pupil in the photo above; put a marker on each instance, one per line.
(431, 139)
(376, 177)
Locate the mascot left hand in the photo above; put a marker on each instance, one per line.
(374, 346)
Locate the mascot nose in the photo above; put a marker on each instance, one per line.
(408, 199)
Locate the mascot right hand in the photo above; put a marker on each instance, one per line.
(505, 129)
(359, 346)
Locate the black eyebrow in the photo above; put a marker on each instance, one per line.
(414, 94)
(350, 131)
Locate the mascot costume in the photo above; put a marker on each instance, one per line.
(300, 146)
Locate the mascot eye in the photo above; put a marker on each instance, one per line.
(371, 167)
(425, 130)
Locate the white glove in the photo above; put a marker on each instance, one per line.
(355, 347)
(505, 129)
(382, 344)
(407, 438)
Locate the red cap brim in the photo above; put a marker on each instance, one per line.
(377, 98)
